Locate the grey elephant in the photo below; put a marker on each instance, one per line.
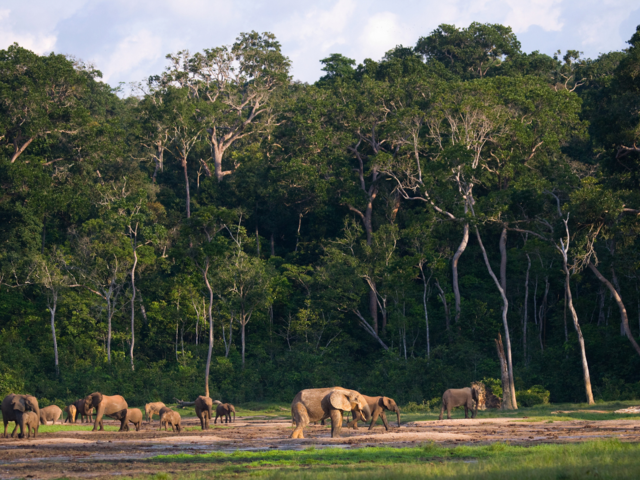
(85, 415)
(375, 408)
(151, 409)
(50, 414)
(134, 415)
(114, 406)
(204, 410)
(317, 404)
(13, 409)
(457, 397)
(224, 411)
(31, 422)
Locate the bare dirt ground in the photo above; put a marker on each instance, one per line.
(79, 454)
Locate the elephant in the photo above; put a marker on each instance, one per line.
(85, 415)
(134, 415)
(50, 413)
(456, 397)
(162, 411)
(13, 408)
(172, 418)
(71, 413)
(375, 408)
(114, 406)
(224, 411)
(316, 404)
(203, 407)
(31, 421)
(151, 409)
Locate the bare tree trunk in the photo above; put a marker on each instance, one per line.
(566, 332)
(505, 323)
(424, 304)
(53, 306)
(623, 310)
(443, 298)
(503, 260)
(298, 234)
(583, 353)
(243, 323)
(133, 298)
(257, 241)
(504, 371)
(142, 309)
(208, 367)
(454, 268)
(526, 311)
(186, 184)
(543, 313)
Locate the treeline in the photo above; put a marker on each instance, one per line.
(386, 229)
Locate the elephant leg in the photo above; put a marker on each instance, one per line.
(336, 423)
(441, 411)
(384, 420)
(6, 423)
(466, 412)
(449, 412)
(301, 417)
(374, 419)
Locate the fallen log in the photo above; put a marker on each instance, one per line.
(628, 410)
(182, 403)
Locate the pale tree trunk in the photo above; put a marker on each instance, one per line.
(186, 184)
(445, 305)
(133, 298)
(505, 309)
(526, 311)
(623, 310)
(454, 268)
(504, 372)
(208, 367)
(53, 306)
(583, 353)
(424, 304)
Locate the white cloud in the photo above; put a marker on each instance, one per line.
(544, 13)
(37, 42)
(132, 55)
(383, 32)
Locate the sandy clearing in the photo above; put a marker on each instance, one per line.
(458, 422)
(395, 437)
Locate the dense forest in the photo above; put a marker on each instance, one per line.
(390, 228)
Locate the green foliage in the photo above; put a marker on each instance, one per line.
(533, 396)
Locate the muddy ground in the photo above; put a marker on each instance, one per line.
(79, 454)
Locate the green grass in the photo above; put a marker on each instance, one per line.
(596, 459)
(73, 428)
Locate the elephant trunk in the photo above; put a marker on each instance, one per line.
(398, 414)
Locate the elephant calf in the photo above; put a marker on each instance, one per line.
(457, 397)
(375, 408)
(134, 415)
(170, 417)
(71, 413)
(224, 411)
(50, 414)
(31, 421)
(152, 409)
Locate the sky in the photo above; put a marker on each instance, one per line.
(128, 39)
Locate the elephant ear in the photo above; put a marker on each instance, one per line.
(18, 403)
(96, 399)
(340, 402)
(386, 403)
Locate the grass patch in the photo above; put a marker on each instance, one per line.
(596, 459)
(73, 428)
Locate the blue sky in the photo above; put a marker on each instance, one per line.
(128, 39)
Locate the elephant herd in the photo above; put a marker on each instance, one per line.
(27, 414)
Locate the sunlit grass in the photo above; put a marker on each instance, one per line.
(74, 428)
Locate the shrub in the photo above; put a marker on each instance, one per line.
(493, 385)
(536, 395)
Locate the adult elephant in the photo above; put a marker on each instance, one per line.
(458, 397)
(85, 415)
(13, 409)
(317, 404)
(50, 414)
(114, 406)
(375, 408)
(204, 410)
(151, 409)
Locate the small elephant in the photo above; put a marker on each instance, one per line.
(134, 415)
(375, 408)
(456, 397)
(317, 404)
(71, 411)
(224, 411)
(114, 406)
(204, 410)
(170, 417)
(50, 414)
(32, 422)
(85, 415)
(13, 407)
(151, 409)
